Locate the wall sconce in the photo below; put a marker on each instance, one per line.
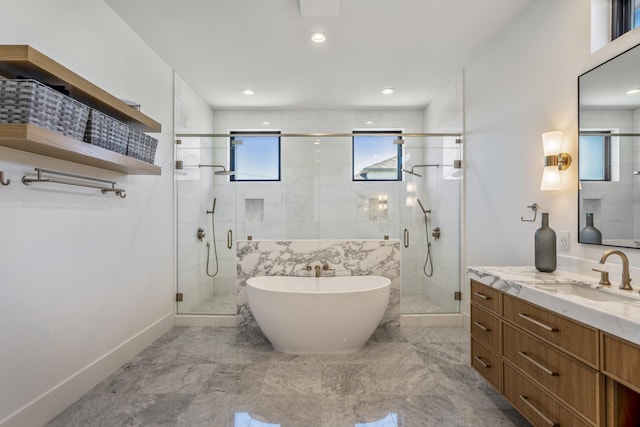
(554, 160)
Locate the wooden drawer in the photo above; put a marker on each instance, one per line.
(486, 296)
(485, 327)
(621, 361)
(577, 339)
(487, 363)
(538, 406)
(573, 382)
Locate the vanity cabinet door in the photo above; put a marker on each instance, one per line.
(486, 297)
(570, 380)
(538, 406)
(487, 363)
(621, 361)
(485, 327)
(575, 338)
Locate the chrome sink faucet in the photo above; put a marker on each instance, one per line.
(626, 277)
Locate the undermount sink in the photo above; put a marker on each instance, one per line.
(582, 291)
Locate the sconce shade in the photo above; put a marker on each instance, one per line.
(551, 143)
(554, 160)
(550, 178)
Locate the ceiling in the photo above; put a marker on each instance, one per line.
(220, 47)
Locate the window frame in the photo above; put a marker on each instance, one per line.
(243, 134)
(369, 132)
(622, 17)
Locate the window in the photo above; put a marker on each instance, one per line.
(625, 16)
(255, 157)
(377, 157)
(595, 157)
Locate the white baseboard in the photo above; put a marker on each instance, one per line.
(206, 321)
(427, 320)
(50, 403)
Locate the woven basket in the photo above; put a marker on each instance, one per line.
(73, 118)
(141, 146)
(106, 132)
(31, 102)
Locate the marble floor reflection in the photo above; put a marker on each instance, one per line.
(409, 377)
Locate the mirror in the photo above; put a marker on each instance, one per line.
(609, 152)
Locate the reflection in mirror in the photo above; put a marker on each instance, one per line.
(609, 152)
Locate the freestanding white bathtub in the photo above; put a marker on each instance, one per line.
(302, 315)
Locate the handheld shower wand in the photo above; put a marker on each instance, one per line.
(424, 211)
(213, 232)
(429, 259)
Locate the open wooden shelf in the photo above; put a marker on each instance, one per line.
(25, 61)
(47, 143)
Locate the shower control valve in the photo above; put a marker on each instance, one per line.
(200, 233)
(436, 233)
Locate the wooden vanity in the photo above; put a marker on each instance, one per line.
(555, 370)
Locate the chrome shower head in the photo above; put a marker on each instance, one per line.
(412, 173)
(224, 170)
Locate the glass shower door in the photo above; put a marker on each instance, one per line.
(206, 221)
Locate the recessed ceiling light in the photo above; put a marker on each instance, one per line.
(388, 91)
(248, 92)
(265, 123)
(369, 122)
(318, 37)
(633, 91)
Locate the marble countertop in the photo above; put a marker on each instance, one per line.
(610, 313)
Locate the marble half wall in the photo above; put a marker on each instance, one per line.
(345, 258)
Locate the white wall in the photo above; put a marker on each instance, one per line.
(87, 279)
(520, 85)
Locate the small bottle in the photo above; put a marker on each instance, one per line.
(545, 246)
(590, 234)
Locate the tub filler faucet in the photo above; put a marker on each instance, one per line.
(318, 268)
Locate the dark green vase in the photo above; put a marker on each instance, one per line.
(545, 246)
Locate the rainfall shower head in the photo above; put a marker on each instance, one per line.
(224, 170)
(435, 165)
(412, 173)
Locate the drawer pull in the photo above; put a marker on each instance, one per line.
(538, 364)
(482, 362)
(537, 323)
(481, 326)
(481, 295)
(525, 399)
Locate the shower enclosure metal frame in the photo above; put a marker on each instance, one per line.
(284, 135)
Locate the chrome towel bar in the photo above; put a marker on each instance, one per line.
(111, 188)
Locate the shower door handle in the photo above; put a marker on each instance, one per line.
(406, 237)
(229, 239)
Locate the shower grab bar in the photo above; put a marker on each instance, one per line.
(104, 189)
(229, 239)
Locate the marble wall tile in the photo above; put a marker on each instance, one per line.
(345, 257)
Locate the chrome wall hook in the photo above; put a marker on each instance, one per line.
(534, 208)
(2, 181)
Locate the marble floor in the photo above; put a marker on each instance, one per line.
(410, 377)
